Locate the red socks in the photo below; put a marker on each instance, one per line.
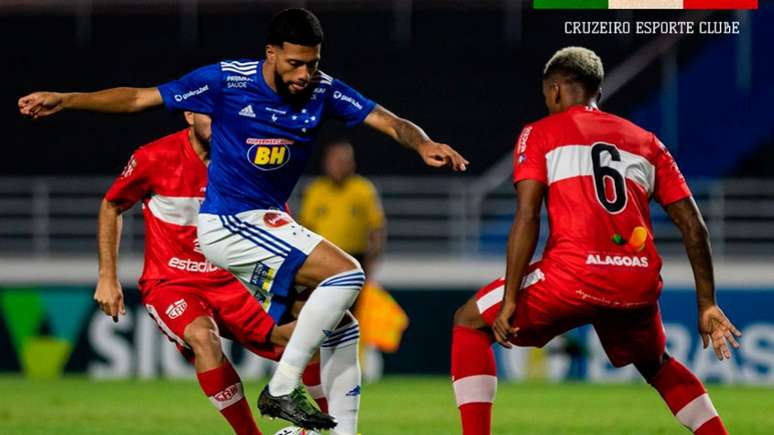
(224, 389)
(474, 378)
(475, 383)
(311, 380)
(687, 399)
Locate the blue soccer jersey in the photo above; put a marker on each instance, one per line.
(260, 142)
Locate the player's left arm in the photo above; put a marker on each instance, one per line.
(377, 222)
(714, 326)
(413, 137)
(522, 241)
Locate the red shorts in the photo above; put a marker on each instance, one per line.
(239, 316)
(547, 307)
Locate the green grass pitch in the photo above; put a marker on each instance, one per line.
(394, 406)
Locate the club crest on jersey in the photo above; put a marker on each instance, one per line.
(268, 154)
(176, 310)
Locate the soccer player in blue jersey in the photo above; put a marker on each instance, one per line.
(265, 117)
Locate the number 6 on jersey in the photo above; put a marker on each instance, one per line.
(618, 202)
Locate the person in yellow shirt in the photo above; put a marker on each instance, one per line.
(344, 207)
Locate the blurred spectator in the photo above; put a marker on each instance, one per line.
(344, 207)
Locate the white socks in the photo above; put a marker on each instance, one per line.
(319, 316)
(340, 376)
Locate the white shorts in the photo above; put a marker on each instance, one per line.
(263, 248)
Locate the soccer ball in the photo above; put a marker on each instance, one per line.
(295, 430)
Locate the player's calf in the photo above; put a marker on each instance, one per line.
(217, 377)
(474, 375)
(684, 394)
(203, 338)
(338, 279)
(340, 375)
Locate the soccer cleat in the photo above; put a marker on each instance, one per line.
(295, 408)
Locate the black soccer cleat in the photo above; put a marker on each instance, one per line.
(295, 408)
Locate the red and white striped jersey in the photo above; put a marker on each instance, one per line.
(601, 171)
(171, 180)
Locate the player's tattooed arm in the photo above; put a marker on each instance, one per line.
(115, 100)
(413, 137)
(522, 241)
(714, 326)
(108, 294)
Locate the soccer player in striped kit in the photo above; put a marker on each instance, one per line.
(265, 118)
(192, 301)
(597, 173)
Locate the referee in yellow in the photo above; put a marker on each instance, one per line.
(344, 207)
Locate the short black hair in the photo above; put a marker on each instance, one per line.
(577, 64)
(296, 26)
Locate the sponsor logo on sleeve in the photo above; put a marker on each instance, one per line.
(523, 139)
(343, 97)
(268, 154)
(182, 97)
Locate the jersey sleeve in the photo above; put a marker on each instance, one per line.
(670, 183)
(197, 91)
(529, 159)
(134, 182)
(347, 105)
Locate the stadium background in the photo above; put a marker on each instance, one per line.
(468, 72)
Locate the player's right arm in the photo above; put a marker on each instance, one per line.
(530, 178)
(196, 92)
(115, 100)
(674, 196)
(108, 294)
(131, 186)
(522, 241)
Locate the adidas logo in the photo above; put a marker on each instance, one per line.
(247, 111)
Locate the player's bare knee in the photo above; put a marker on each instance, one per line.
(202, 336)
(649, 369)
(467, 315)
(346, 263)
(325, 262)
